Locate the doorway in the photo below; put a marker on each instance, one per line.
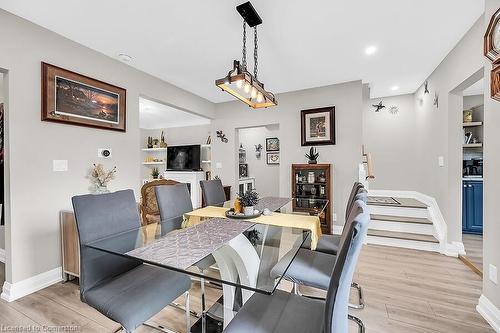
(472, 176)
(258, 160)
(3, 98)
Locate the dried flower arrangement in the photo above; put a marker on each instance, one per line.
(100, 177)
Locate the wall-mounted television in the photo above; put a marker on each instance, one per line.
(185, 158)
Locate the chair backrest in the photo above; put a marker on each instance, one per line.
(99, 216)
(149, 204)
(173, 202)
(356, 188)
(213, 192)
(337, 299)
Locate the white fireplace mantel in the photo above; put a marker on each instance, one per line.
(191, 177)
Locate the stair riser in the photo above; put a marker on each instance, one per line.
(399, 211)
(407, 244)
(415, 228)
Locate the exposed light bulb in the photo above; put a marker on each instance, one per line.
(370, 50)
(254, 92)
(260, 98)
(247, 87)
(239, 84)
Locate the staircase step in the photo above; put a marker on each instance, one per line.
(402, 235)
(402, 219)
(395, 202)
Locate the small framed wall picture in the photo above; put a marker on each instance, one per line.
(273, 158)
(75, 99)
(272, 144)
(318, 126)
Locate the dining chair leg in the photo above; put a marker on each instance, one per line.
(188, 313)
(203, 306)
(359, 322)
(361, 304)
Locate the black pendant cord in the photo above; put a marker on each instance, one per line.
(244, 58)
(255, 49)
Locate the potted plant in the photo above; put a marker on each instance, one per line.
(312, 156)
(248, 200)
(155, 173)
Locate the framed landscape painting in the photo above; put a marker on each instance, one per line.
(318, 126)
(71, 98)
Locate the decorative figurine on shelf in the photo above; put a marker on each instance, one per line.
(258, 149)
(150, 142)
(163, 144)
(155, 173)
(100, 178)
(156, 143)
(248, 200)
(312, 156)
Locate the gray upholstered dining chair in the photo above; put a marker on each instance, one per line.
(213, 192)
(284, 312)
(173, 202)
(329, 244)
(115, 285)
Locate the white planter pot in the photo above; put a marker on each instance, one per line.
(248, 210)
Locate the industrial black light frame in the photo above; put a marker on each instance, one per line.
(239, 82)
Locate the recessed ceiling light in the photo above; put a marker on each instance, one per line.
(124, 57)
(395, 88)
(370, 50)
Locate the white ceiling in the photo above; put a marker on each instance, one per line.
(476, 89)
(153, 115)
(302, 44)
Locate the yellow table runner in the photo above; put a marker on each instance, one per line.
(311, 223)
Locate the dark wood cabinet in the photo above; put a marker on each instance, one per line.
(313, 182)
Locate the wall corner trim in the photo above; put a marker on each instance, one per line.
(2, 255)
(14, 291)
(489, 312)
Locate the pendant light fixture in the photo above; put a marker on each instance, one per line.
(239, 82)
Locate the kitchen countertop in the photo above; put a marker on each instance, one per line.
(480, 179)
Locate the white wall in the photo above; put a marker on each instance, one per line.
(491, 228)
(439, 130)
(344, 156)
(267, 176)
(391, 140)
(36, 193)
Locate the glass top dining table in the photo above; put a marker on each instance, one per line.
(244, 251)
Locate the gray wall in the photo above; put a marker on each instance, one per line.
(344, 156)
(267, 176)
(2, 228)
(439, 130)
(36, 193)
(491, 175)
(391, 139)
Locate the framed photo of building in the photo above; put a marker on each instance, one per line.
(72, 98)
(318, 126)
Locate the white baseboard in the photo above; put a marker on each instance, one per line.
(13, 291)
(337, 229)
(489, 312)
(2, 255)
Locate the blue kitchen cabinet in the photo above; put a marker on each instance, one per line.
(472, 207)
